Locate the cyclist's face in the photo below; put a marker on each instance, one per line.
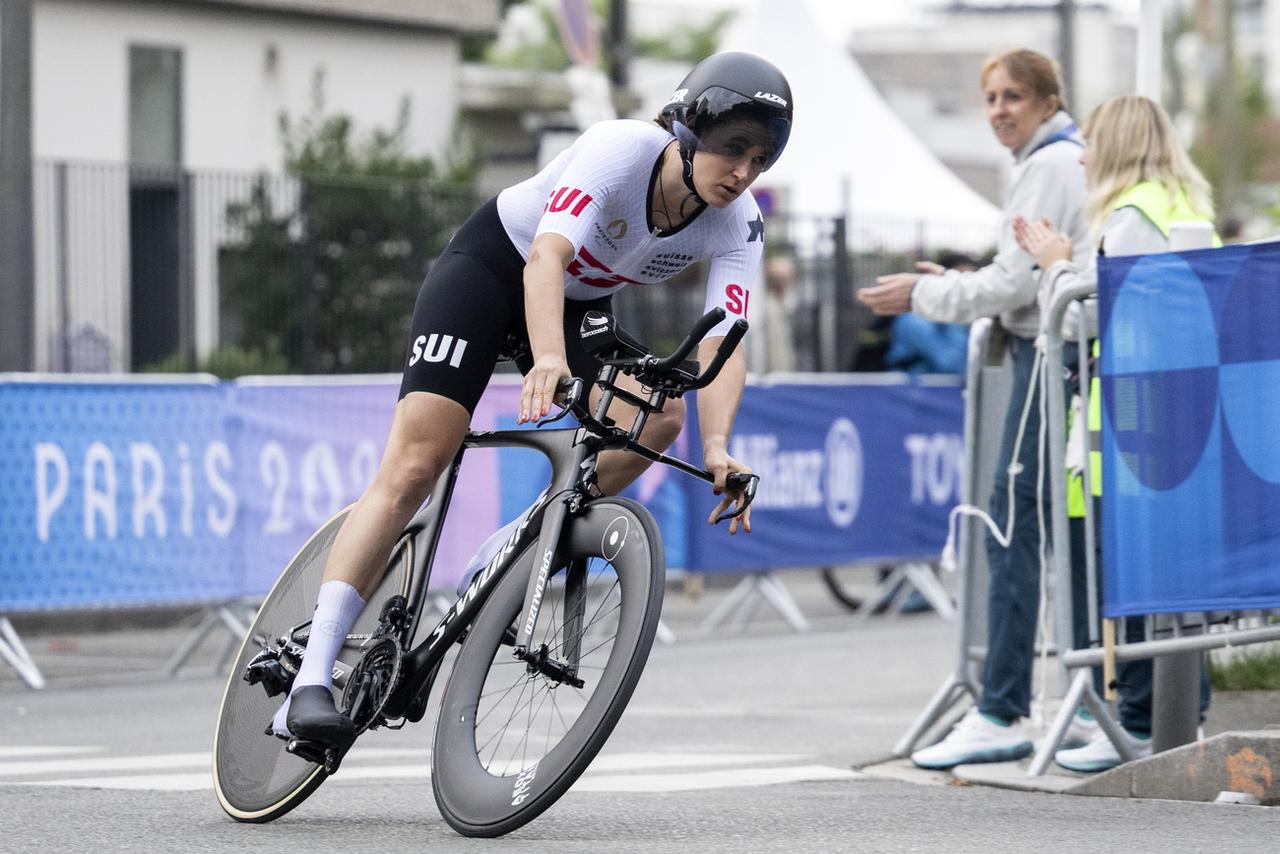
(729, 158)
(1013, 109)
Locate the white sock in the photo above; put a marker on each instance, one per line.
(338, 606)
(487, 550)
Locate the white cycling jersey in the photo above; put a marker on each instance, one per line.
(596, 195)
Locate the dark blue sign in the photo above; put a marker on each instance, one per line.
(1191, 400)
(847, 473)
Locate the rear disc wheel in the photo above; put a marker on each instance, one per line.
(255, 779)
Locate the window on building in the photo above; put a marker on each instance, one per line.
(155, 105)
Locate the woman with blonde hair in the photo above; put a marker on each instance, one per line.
(1140, 183)
(1026, 109)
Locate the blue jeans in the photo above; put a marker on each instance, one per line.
(1013, 595)
(1133, 678)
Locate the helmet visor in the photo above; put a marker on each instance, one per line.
(729, 124)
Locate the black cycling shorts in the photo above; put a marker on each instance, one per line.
(470, 302)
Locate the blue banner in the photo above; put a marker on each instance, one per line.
(847, 473)
(136, 493)
(1191, 400)
(115, 494)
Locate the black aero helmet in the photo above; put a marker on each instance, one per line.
(731, 86)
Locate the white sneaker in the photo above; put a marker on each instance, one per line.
(975, 739)
(1100, 754)
(1080, 732)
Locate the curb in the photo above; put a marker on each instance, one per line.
(1235, 762)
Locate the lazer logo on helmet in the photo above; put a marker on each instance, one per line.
(769, 96)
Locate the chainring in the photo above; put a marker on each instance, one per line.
(376, 674)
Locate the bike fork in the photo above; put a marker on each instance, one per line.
(539, 659)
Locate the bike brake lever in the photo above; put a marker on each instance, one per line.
(572, 387)
(744, 483)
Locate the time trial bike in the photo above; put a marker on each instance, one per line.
(554, 630)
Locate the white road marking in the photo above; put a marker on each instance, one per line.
(727, 779)
(21, 751)
(103, 763)
(183, 772)
(649, 761)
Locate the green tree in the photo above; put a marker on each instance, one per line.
(326, 263)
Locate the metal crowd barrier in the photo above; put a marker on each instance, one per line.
(1175, 703)
(986, 395)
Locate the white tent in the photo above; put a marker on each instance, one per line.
(849, 153)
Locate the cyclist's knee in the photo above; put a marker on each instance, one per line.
(409, 471)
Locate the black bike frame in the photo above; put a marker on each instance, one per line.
(573, 452)
(568, 450)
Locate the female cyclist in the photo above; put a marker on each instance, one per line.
(629, 202)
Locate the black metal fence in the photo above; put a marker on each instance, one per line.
(151, 269)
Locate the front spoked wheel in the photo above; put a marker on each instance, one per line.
(513, 735)
(255, 779)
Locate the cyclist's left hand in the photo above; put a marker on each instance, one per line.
(540, 386)
(720, 464)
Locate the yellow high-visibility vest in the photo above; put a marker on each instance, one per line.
(1153, 200)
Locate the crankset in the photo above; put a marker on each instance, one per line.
(371, 682)
(374, 678)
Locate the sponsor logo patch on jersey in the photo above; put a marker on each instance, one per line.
(617, 229)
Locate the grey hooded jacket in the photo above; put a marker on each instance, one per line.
(1048, 182)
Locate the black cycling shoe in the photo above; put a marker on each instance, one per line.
(313, 717)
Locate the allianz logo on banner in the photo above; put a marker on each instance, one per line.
(802, 479)
(833, 477)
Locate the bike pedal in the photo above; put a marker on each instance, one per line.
(310, 751)
(333, 758)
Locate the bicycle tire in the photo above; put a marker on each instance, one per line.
(837, 589)
(255, 779)
(620, 541)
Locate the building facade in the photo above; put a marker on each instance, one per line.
(132, 100)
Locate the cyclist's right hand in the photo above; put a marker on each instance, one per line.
(721, 465)
(540, 386)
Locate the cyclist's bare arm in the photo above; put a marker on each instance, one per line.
(717, 409)
(544, 317)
